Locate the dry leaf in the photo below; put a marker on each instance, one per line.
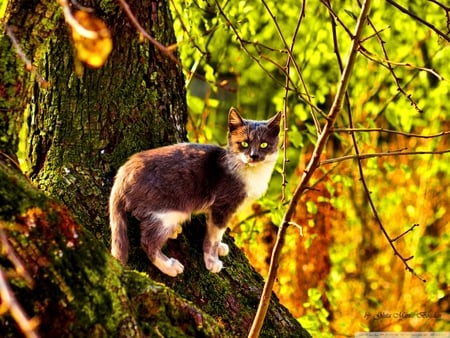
(93, 48)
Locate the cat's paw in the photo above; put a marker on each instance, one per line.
(223, 249)
(172, 267)
(214, 265)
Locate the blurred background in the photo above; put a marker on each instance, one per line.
(339, 274)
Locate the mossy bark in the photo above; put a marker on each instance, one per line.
(79, 130)
(76, 288)
(82, 127)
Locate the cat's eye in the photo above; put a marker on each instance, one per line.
(244, 144)
(263, 145)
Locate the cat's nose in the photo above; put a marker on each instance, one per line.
(254, 156)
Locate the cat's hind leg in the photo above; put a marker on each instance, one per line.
(169, 266)
(154, 234)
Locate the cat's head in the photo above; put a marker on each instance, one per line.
(253, 141)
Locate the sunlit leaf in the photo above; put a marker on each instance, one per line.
(95, 49)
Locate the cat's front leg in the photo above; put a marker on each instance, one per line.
(213, 247)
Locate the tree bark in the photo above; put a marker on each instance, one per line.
(78, 130)
(72, 285)
(82, 128)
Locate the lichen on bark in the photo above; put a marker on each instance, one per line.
(78, 288)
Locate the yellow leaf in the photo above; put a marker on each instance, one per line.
(91, 38)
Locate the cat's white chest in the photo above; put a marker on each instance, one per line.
(256, 179)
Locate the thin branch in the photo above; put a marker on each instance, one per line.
(244, 45)
(8, 300)
(311, 167)
(337, 18)
(391, 69)
(291, 58)
(446, 8)
(286, 97)
(385, 154)
(185, 29)
(389, 131)
(166, 50)
(359, 159)
(75, 25)
(28, 64)
(386, 62)
(7, 250)
(403, 234)
(419, 19)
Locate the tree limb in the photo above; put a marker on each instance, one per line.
(311, 167)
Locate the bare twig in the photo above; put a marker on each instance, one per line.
(403, 234)
(337, 18)
(28, 64)
(359, 159)
(389, 153)
(185, 29)
(75, 25)
(244, 45)
(311, 167)
(290, 59)
(9, 303)
(419, 19)
(389, 131)
(391, 69)
(166, 50)
(8, 300)
(292, 85)
(15, 260)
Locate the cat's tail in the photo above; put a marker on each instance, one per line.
(118, 224)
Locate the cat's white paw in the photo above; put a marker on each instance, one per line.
(172, 267)
(223, 249)
(214, 265)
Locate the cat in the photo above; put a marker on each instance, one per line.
(162, 187)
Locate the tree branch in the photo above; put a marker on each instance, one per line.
(389, 153)
(7, 297)
(28, 64)
(419, 19)
(290, 59)
(311, 167)
(389, 131)
(166, 50)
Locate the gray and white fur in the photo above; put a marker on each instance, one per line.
(162, 187)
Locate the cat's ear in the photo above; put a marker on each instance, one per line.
(234, 119)
(274, 124)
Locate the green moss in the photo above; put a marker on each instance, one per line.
(230, 297)
(163, 313)
(14, 198)
(79, 289)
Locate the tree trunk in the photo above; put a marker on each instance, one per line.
(82, 128)
(79, 130)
